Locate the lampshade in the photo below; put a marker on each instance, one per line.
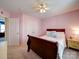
(75, 32)
(40, 6)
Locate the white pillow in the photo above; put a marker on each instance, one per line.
(51, 34)
(60, 35)
(54, 34)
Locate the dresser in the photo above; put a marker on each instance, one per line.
(73, 43)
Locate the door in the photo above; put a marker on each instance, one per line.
(12, 31)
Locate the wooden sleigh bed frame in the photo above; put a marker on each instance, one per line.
(44, 48)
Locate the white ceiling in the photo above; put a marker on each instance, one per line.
(56, 7)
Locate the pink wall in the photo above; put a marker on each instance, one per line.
(3, 13)
(15, 14)
(30, 25)
(66, 21)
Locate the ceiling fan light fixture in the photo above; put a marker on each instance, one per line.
(42, 11)
(41, 7)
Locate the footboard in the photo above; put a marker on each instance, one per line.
(44, 48)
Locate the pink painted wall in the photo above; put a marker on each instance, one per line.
(4, 13)
(66, 21)
(30, 25)
(15, 14)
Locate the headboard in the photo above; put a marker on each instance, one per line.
(57, 30)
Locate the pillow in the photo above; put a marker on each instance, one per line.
(51, 34)
(54, 34)
(60, 35)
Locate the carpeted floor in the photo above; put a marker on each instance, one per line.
(21, 53)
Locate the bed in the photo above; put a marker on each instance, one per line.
(47, 47)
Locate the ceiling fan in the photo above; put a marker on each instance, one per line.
(40, 6)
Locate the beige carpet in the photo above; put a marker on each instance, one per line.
(21, 53)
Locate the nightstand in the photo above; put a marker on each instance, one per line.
(73, 43)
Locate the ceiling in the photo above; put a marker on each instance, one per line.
(56, 7)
